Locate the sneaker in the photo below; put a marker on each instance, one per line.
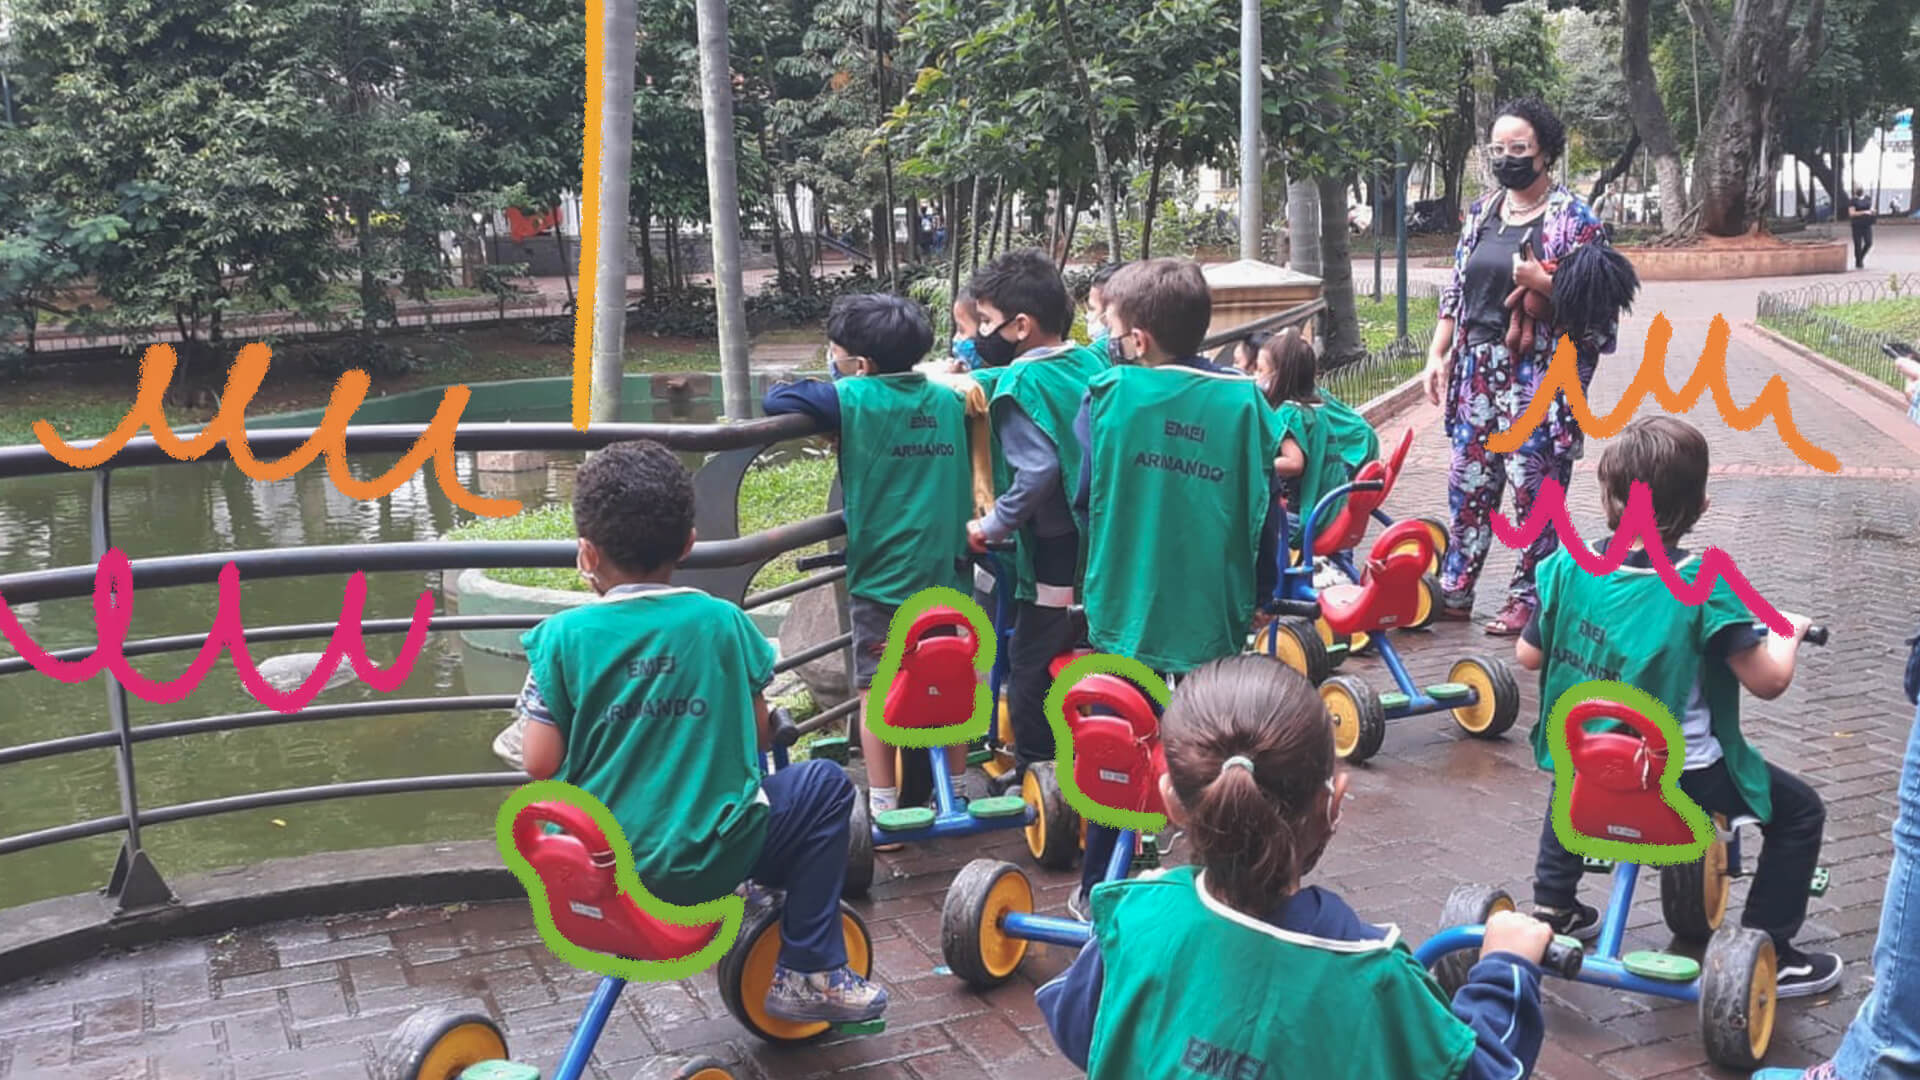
(837, 997)
(1581, 922)
(509, 745)
(1079, 904)
(877, 805)
(1801, 974)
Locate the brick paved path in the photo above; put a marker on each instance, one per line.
(313, 999)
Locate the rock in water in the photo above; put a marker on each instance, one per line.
(285, 673)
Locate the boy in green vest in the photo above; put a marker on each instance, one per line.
(651, 701)
(1037, 380)
(1233, 968)
(1180, 459)
(1628, 627)
(905, 480)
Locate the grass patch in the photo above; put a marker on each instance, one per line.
(770, 495)
(1379, 321)
(1356, 384)
(1851, 334)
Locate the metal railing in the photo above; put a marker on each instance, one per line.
(1806, 315)
(723, 565)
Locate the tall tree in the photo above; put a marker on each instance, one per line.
(1762, 55)
(1649, 113)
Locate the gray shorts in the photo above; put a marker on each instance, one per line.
(870, 620)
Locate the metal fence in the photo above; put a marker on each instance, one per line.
(1807, 315)
(723, 563)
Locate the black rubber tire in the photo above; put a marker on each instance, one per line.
(1737, 997)
(964, 922)
(1303, 639)
(1059, 821)
(1370, 716)
(859, 849)
(731, 970)
(1506, 696)
(1441, 540)
(1467, 905)
(1429, 585)
(1694, 896)
(407, 1048)
(704, 1067)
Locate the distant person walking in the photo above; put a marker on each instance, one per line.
(1862, 218)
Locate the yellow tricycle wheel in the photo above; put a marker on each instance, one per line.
(973, 939)
(745, 973)
(440, 1043)
(1054, 835)
(1359, 720)
(1497, 697)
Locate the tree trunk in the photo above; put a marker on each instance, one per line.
(369, 297)
(773, 219)
(881, 244)
(1072, 213)
(1303, 226)
(953, 239)
(1342, 344)
(723, 203)
(803, 251)
(1615, 171)
(1649, 113)
(1153, 203)
(973, 229)
(676, 274)
(612, 190)
(1485, 82)
(1730, 173)
(1103, 177)
(999, 217)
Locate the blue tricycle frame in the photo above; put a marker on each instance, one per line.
(440, 1043)
(1480, 692)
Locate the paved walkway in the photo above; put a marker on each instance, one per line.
(314, 999)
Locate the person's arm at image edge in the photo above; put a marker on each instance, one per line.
(1501, 1003)
(1035, 462)
(1070, 1002)
(542, 748)
(1765, 667)
(813, 397)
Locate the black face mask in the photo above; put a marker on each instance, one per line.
(1516, 173)
(994, 350)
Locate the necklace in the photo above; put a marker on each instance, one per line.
(1508, 212)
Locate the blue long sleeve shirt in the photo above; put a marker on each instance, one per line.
(1500, 1001)
(814, 397)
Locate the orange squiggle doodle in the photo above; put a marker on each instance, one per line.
(1638, 523)
(230, 424)
(113, 613)
(1710, 374)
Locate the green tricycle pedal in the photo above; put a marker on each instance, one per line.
(1394, 699)
(1596, 866)
(500, 1070)
(1665, 967)
(999, 806)
(1449, 691)
(866, 1027)
(905, 819)
(832, 748)
(1821, 879)
(1337, 650)
(979, 755)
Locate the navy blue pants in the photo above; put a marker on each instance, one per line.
(806, 854)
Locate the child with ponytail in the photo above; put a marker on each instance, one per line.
(1232, 968)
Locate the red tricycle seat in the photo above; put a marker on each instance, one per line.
(1349, 526)
(1616, 778)
(936, 684)
(1117, 758)
(576, 865)
(1389, 591)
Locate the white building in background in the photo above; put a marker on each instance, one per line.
(1882, 165)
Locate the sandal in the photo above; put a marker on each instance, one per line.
(1512, 619)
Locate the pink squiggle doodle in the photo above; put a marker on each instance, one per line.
(113, 583)
(1638, 523)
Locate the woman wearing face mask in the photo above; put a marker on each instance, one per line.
(1484, 384)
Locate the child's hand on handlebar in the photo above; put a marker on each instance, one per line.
(1520, 935)
(1799, 622)
(976, 538)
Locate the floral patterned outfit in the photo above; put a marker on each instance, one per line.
(1487, 390)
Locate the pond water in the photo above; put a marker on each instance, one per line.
(196, 507)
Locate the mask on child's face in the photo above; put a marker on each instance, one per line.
(966, 351)
(994, 350)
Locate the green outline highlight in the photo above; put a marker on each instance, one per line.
(1099, 664)
(726, 910)
(976, 725)
(1599, 847)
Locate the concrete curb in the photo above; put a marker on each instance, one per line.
(1865, 382)
(1387, 405)
(48, 934)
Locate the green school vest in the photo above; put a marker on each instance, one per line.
(907, 483)
(1628, 627)
(1325, 469)
(653, 695)
(1182, 462)
(1299, 1005)
(1049, 390)
(1348, 433)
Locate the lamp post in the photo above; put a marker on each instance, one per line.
(1251, 204)
(1400, 178)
